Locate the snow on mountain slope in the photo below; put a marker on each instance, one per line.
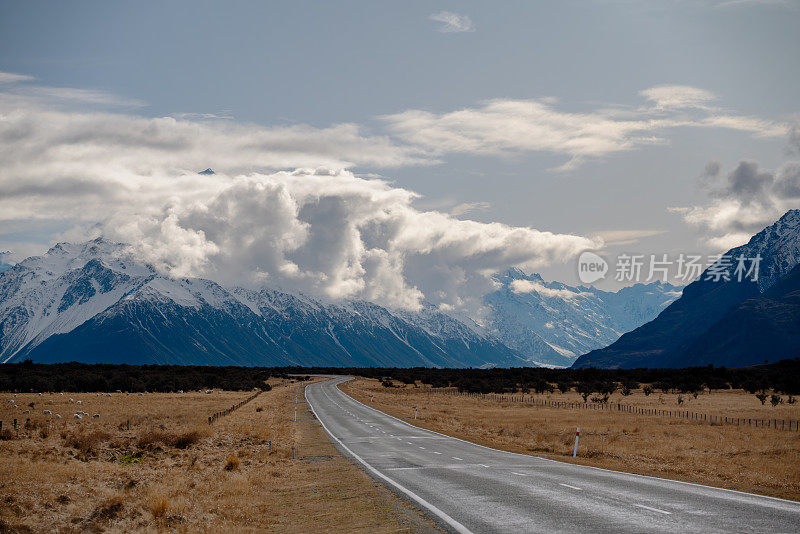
(55, 293)
(670, 340)
(95, 302)
(553, 323)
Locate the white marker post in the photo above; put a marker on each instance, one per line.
(577, 435)
(372, 399)
(295, 415)
(415, 414)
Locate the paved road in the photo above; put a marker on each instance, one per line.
(471, 488)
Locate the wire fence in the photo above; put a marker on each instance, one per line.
(223, 413)
(778, 424)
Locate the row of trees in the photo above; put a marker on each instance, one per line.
(781, 378)
(32, 377)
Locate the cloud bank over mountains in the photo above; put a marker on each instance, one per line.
(286, 208)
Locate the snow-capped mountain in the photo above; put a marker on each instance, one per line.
(552, 323)
(723, 322)
(94, 302)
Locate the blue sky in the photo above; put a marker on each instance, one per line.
(481, 117)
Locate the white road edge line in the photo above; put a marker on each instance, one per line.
(458, 527)
(457, 458)
(519, 474)
(564, 463)
(652, 509)
(571, 487)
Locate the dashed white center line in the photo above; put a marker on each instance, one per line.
(409, 442)
(423, 448)
(434, 452)
(484, 465)
(571, 487)
(457, 458)
(519, 474)
(652, 509)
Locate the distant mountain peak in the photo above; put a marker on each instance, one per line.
(207, 172)
(721, 321)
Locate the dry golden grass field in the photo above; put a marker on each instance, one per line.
(758, 460)
(173, 472)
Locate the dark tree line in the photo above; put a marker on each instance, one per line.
(33, 377)
(782, 377)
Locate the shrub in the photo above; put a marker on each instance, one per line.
(647, 390)
(86, 442)
(232, 464)
(762, 396)
(179, 440)
(775, 400)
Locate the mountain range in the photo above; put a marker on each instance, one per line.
(95, 302)
(724, 322)
(551, 323)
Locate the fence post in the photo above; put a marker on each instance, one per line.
(575, 450)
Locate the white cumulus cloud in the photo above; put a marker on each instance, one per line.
(320, 229)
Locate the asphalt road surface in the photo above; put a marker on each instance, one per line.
(471, 488)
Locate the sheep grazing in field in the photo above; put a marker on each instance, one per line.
(48, 412)
(77, 416)
(58, 416)
(71, 399)
(79, 402)
(26, 411)
(96, 416)
(11, 401)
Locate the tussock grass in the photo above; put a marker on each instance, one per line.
(232, 464)
(180, 440)
(167, 472)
